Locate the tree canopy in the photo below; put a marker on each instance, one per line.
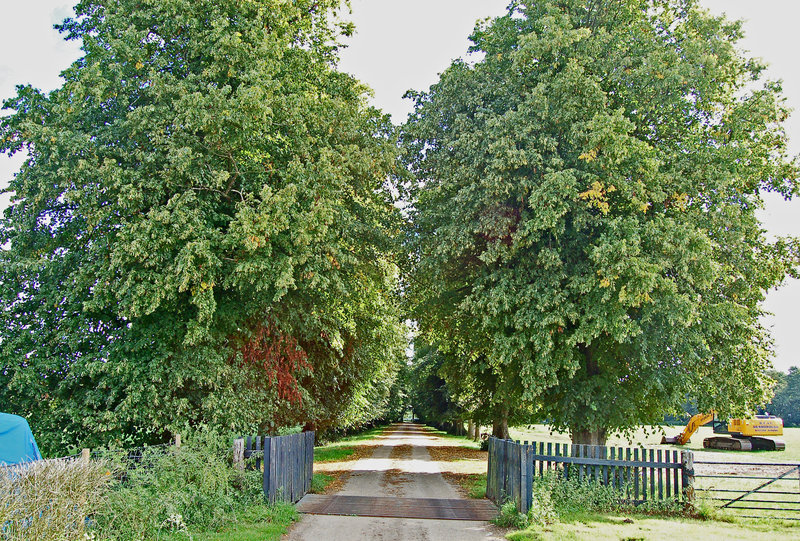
(583, 216)
(201, 231)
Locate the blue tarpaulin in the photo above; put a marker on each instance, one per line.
(17, 444)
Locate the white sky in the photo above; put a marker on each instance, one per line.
(402, 45)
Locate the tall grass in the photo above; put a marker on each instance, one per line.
(51, 499)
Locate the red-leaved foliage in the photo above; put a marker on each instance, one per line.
(279, 357)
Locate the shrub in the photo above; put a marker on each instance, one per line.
(50, 499)
(571, 496)
(193, 487)
(542, 509)
(509, 517)
(574, 496)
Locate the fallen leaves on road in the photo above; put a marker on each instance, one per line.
(401, 452)
(452, 453)
(338, 481)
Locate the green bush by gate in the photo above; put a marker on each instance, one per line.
(662, 475)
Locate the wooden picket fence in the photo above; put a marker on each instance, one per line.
(639, 474)
(287, 463)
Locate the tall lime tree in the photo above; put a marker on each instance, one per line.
(584, 215)
(200, 232)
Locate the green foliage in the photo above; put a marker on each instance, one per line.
(584, 238)
(543, 508)
(200, 232)
(348, 436)
(182, 490)
(434, 400)
(558, 498)
(187, 493)
(509, 517)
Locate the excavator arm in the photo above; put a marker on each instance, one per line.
(691, 427)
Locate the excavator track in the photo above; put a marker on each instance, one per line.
(744, 444)
(728, 444)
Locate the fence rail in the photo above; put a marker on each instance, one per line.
(287, 463)
(642, 474)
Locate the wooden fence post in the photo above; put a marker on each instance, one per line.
(85, 455)
(524, 480)
(238, 454)
(687, 470)
(268, 479)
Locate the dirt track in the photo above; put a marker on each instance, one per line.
(400, 466)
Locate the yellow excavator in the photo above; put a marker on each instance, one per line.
(743, 434)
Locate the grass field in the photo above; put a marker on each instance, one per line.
(650, 437)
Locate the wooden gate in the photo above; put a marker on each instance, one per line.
(287, 463)
(639, 474)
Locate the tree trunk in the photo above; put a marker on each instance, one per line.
(584, 436)
(500, 426)
(580, 433)
(471, 429)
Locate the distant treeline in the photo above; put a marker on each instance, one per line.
(785, 404)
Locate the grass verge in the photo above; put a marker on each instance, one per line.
(633, 527)
(258, 523)
(471, 485)
(356, 439)
(461, 441)
(333, 454)
(328, 482)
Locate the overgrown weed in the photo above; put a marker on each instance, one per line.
(193, 488)
(509, 517)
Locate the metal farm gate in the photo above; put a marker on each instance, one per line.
(765, 490)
